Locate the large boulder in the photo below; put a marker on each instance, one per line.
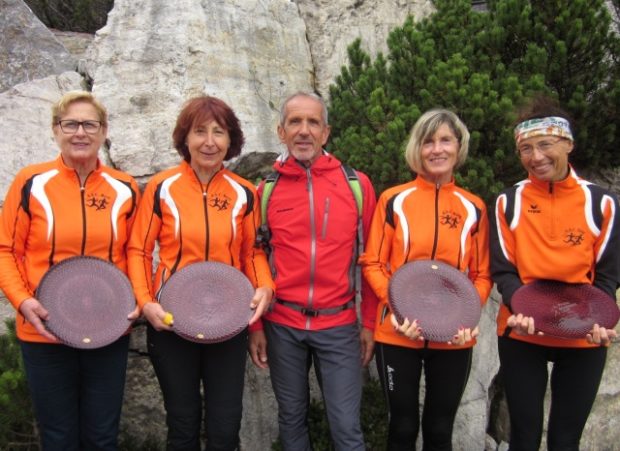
(26, 123)
(152, 56)
(332, 26)
(28, 50)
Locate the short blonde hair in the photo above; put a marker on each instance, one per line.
(425, 127)
(61, 106)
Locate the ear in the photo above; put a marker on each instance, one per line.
(326, 133)
(281, 134)
(570, 146)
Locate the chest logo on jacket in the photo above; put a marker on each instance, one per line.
(533, 209)
(219, 201)
(97, 201)
(573, 237)
(450, 218)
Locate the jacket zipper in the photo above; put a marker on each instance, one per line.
(312, 243)
(436, 236)
(82, 194)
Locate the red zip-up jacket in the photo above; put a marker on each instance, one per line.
(48, 217)
(313, 217)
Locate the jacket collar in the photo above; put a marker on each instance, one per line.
(571, 181)
(287, 165)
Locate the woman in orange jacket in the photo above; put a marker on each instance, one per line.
(552, 225)
(429, 218)
(199, 211)
(71, 206)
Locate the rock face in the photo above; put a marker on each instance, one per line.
(152, 56)
(26, 129)
(28, 50)
(332, 26)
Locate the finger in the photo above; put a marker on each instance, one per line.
(40, 327)
(134, 314)
(466, 335)
(530, 326)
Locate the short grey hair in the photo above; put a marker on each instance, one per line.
(311, 95)
(425, 127)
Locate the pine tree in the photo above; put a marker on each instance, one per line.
(480, 65)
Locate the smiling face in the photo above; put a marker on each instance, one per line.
(439, 155)
(304, 131)
(545, 157)
(208, 143)
(79, 149)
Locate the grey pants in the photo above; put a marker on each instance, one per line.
(336, 355)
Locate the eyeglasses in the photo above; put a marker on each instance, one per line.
(70, 126)
(527, 150)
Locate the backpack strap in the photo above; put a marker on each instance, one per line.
(263, 235)
(356, 188)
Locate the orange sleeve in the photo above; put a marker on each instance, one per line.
(253, 258)
(377, 253)
(144, 233)
(479, 263)
(503, 267)
(14, 229)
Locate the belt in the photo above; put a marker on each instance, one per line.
(316, 312)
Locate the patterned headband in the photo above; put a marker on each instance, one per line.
(554, 126)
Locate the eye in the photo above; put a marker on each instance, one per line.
(91, 126)
(70, 124)
(544, 145)
(525, 150)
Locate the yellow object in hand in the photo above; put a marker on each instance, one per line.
(168, 319)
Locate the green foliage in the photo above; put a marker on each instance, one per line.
(17, 423)
(373, 418)
(481, 65)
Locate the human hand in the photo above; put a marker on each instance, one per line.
(601, 336)
(260, 302)
(35, 314)
(367, 341)
(257, 347)
(409, 330)
(157, 316)
(524, 325)
(463, 336)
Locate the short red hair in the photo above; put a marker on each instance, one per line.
(206, 108)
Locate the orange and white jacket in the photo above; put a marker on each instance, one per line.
(567, 231)
(48, 217)
(423, 221)
(193, 223)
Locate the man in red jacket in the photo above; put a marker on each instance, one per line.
(313, 215)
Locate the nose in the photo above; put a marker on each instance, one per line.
(304, 128)
(537, 154)
(80, 130)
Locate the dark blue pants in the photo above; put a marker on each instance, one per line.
(400, 371)
(575, 378)
(77, 393)
(181, 366)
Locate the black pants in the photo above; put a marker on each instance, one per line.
(445, 374)
(575, 378)
(181, 366)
